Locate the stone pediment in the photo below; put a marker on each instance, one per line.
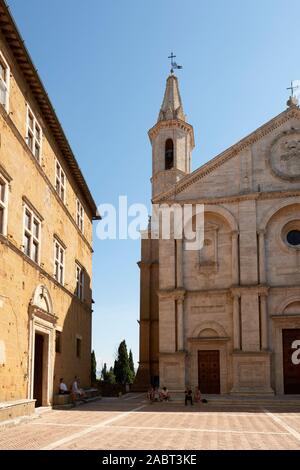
(283, 156)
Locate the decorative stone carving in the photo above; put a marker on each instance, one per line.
(284, 156)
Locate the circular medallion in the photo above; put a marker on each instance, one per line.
(285, 155)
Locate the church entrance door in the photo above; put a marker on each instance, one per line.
(291, 360)
(209, 371)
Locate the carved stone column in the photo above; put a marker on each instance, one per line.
(262, 257)
(179, 264)
(264, 322)
(235, 259)
(236, 323)
(180, 325)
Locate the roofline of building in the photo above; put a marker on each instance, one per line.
(16, 44)
(211, 165)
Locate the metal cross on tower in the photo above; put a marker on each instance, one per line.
(174, 65)
(294, 87)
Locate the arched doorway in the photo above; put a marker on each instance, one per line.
(42, 323)
(286, 334)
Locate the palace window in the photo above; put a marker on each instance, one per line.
(59, 262)
(79, 216)
(78, 347)
(169, 154)
(32, 235)
(3, 205)
(4, 82)
(79, 282)
(34, 135)
(60, 181)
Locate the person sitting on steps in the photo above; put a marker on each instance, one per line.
(188, 397)
(164, 394)
(197, 395)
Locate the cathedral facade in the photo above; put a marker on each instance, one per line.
(225, 317)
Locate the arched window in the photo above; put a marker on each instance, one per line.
(169, 154)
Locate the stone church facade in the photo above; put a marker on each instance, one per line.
(46, 214)
(226, 317)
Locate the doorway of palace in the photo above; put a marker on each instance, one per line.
(38, 369)
(291, 360)
(209, 371)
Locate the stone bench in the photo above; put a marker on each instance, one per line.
(61, 399)
(65, 400)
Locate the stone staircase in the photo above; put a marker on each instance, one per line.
(242, 400)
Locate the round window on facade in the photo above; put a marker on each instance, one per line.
(291, 234)
(293, 238)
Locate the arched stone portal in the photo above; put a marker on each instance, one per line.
(42, 323)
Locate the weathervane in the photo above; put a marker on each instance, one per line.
(174, 65)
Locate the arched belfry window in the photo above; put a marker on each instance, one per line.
(169, 154)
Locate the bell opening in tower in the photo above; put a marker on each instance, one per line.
(169, 154)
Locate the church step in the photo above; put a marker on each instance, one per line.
(242, 400)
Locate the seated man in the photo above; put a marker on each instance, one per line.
(77, 392)
(63, 389)
(188, 397)
(164, 394)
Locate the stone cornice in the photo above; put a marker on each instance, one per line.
(234, 198)
(174, 171)
(284, 288)
(208, 292)
(39, 313)
(210, 339)
(287, 316)
(171, 124)
(175, 353)
(231, 152)
(251, 353)
(147, 264)
(174, 294)
(259, 289)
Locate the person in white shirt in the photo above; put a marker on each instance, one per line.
(77, 392)
(63, 389)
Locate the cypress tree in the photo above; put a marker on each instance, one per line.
(93, 367)
(122, 370)
(131, 363)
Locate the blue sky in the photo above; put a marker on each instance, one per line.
(104, 65)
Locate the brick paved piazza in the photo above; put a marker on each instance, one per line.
(132, 423)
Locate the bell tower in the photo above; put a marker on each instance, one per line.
(172, 140)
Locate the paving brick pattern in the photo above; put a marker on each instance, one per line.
(134, 424)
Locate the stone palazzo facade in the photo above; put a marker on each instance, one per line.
(46, 214)
(226, 317)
